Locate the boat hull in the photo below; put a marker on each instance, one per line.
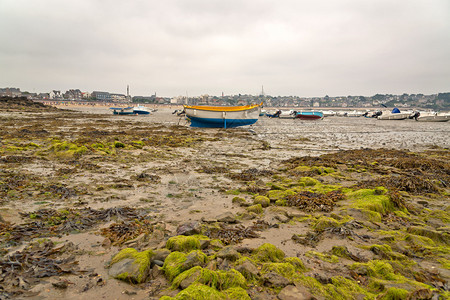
(309, 115)
(394, 116)
(141, 112)
(220, 123)
(229, 117)
(433, 118)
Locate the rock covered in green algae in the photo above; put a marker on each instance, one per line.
(131, 265)
(183, 243)
(228, 253)
(175, 262)
(257, 208)
(199, 291)
(218, 279)
(268, 253)
(263, 200)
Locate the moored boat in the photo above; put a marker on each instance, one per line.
(222, 116)
(308, 115)
(431, 117)
(328, 113)
(395, 114)
(141, 110)
(122, 110)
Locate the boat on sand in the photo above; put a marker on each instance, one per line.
(395, 114)
(222, 116)
(431, 117)
(308, 115)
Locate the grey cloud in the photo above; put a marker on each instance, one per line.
(292, 47)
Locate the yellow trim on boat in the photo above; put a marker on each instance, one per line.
(223, 108)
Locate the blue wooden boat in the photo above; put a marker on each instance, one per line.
(222, 116)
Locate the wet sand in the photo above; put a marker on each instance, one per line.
(178, 174)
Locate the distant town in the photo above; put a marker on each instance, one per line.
(440, 101)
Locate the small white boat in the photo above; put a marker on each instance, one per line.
(328, 113)
(354, 113)
(141, 110)
(431, 117)
(395, 114)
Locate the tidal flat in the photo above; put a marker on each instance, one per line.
(94, 205)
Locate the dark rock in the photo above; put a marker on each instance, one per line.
(273, 279)
(225, 265)
(322, 278)
(420, 294)
(248, 269)
(192, 260)
(158, 262)
(156, 272)
(204, 244)
(131, 268)
(161, 254)
(228, 253)
(291, 292)
(226, 217)
(189, 228)
(282, 218)
(423, 203)
(61, 284)
(189, 280)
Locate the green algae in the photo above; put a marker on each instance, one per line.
(230, 279)
(221, 280)
(173, 264)
(281, 202)
(262, 200)
(375, 200)
(323, 256)
(324, 222)
(434, 235)
(341, 251)
(197, 291)
(237, 293)
(394, 293)
(274, 195)
(66, 149)
(257, 208)
(268, 253)
(376, 268)
(118, 144)
(285, 269)
(138, 144)
(349, 289)
(308, 181)
(296, 262)
(444, 262)
(238, 200)
(385, 251)
(183, 243)
(340, 289)
(143, 259)
(199, 275)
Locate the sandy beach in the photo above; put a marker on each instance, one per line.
(362, 203)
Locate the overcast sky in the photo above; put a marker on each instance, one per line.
(178, 47)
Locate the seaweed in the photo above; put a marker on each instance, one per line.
(119, 233)
(50, 222)
(250, 174)
(22, 270)
(233, 235)
(310, 201)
